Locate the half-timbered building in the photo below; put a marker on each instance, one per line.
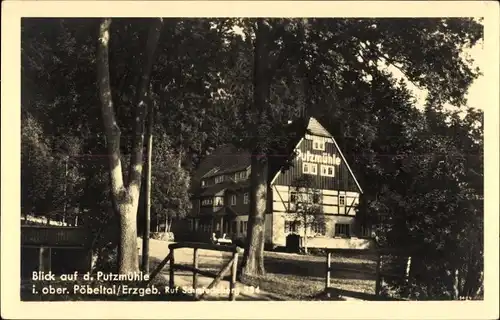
(222, 184)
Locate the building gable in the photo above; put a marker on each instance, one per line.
(319, 156)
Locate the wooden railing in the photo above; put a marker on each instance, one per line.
(379, 274)
(231, 265)
(54, 236)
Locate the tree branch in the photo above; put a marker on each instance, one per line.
(136, 161)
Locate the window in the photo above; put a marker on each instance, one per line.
(206, 202)
(220, 201)
(233, 200)
(309, 168)
(341, 200)
(293, 197)
(202, 183)
(243, 227)
(342, 230)
(243, 175)
(219, 179)
(318, 228)
(318, 145)
(245, 198)
(291, 226)
(288, 226)
(365, 231)
(327, 171)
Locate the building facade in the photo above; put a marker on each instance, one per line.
(221, 198)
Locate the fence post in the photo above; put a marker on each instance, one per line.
(377, 275)
(45, 257)
(232, 284)
(408, 266)
(328, 266)
(195, 273)
(171, 281)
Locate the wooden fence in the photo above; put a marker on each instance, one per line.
(39, 243)
(232, 266)
(379, 274)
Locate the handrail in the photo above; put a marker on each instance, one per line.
(205, 246)
(382, 251)
(230, 266)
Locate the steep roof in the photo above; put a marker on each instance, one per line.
(228, 158)
(315, 128)
(225, 159)
(221, 187)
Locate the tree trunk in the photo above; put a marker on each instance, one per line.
(128, 238)
(170, 224)
(305, 234)
(125, 198)
(147, 214)
(253, 258)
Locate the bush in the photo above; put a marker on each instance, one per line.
(165, 236)
(316, 251)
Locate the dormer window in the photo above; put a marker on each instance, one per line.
(219, 179)
(207, 202)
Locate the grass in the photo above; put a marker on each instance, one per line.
(302, 277)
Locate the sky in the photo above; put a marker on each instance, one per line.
(476, 90)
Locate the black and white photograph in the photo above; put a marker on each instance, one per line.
(233, 158)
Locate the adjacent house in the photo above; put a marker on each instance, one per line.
(222, 183)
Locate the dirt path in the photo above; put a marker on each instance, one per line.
(209, 260)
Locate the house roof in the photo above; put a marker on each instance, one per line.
(221, 187)
(225, 210)
(225, 159)
(228, 158)
(315, 128)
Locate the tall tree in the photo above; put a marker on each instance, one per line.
(125, 193)
(306, 211)
(341, 53)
